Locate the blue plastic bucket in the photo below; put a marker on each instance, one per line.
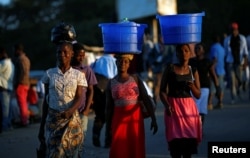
(123, 37)
(181, 28)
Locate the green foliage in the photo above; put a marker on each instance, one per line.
(30, 22)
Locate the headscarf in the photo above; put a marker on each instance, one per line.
(129, 56)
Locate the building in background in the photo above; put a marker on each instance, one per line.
(146, 9)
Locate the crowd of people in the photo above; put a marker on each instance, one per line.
(14, 81)
(186, 84)
(228, 58)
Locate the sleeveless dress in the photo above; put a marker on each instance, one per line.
(183, 127)
(128, 135)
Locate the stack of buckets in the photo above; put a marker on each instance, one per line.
(127, 37)
(122, 37)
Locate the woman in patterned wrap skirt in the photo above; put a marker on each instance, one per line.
(60, 127)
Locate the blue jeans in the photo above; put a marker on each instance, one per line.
(5, 97)
(235, 74)
(84, 120)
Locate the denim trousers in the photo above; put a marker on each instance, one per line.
(5, 97)
(84, 121)
(235, 74)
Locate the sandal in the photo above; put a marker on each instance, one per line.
(210, 107)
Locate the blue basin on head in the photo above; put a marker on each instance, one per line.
(181, 28)
(122, 37)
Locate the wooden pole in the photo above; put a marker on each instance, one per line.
(155, 30)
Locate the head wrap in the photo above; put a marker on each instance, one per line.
(129, 56)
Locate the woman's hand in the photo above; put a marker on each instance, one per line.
(86, 112)
(169, 110)
(154, 126)
(67, 114)
(190, 84)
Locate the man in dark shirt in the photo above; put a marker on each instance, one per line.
(22, 82)
(235, 47)
(236, 59)
(205, 68)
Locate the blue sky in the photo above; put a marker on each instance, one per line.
(4, 1)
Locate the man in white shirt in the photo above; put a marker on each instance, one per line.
(236, 59)
(6, 87)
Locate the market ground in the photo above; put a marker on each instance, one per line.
(227, 125)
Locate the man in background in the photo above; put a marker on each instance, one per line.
(21, 82)
(236, 59)
(6, 87)
(105, 69)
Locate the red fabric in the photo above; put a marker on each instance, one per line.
(32, 96)
(128, 135)
(21, 96)
(185, 121)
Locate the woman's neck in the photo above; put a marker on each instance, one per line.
(122, 77)
(183, 64)
(182, 68)
(64, 68)
(123, 74)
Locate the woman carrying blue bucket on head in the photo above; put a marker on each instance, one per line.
(182, 121)
(124, 120)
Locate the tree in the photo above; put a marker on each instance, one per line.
(30, 22)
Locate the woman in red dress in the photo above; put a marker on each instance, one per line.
(125, 122)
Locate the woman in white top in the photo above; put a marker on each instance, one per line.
(61, 125)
